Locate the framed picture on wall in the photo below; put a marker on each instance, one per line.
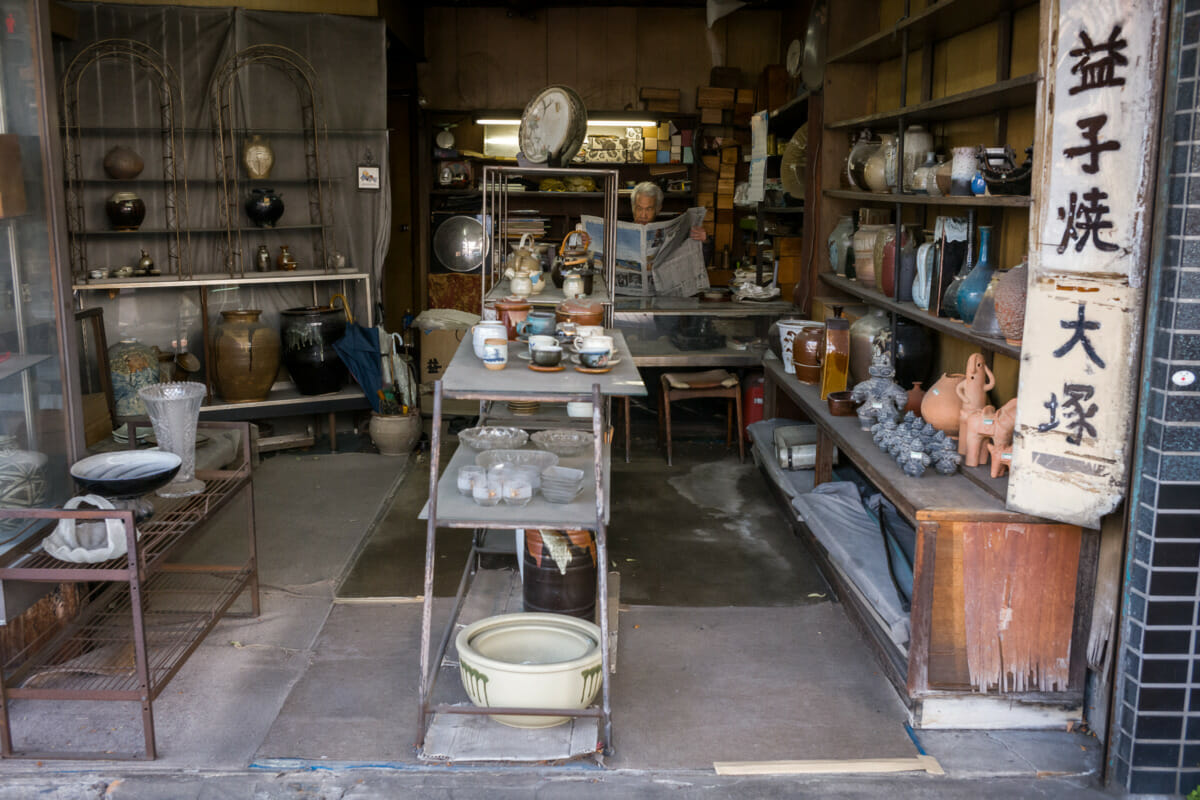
(368, 177)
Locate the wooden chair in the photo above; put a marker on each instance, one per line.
(689, 385)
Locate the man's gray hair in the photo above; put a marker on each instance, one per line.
(646, 187)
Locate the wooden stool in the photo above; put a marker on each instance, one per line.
(687, 385)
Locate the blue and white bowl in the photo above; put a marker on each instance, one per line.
(126, 474)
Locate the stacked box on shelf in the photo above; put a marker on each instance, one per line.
(788, 251)
(657, 99)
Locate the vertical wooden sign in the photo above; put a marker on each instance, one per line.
(1101, 62)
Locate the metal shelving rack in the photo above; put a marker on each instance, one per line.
(497, 198)
(467, 379)
(143, 617)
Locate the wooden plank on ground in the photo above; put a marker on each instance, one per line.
(850, 766)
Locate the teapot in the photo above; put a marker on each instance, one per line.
(524, 258)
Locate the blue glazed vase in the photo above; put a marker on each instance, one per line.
(132, 366)
(970, 293)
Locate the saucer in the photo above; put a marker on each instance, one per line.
(523, 354)
(536, 368)
(591, 371)
(612, 362)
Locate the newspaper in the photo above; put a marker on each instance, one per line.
(660, 258)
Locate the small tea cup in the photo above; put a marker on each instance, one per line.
(566, 331)
(593, 342)
(584, 331)
(547, 356)
(487, 492)
(123, 272)
(495, 353)
(98, 274)
(594, 359)
(541, 341)
(470, 475)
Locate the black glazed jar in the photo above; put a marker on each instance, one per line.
(125, 211)
(264, 207)
(307, 335)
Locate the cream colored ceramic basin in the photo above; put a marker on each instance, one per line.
(530, 660)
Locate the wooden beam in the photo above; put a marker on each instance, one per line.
(850, 766)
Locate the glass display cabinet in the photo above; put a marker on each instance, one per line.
(39, 434)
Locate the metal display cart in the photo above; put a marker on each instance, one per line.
(498, 198)
(466, 378)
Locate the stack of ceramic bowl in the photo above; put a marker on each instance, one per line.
(561, 484)
(524, 408)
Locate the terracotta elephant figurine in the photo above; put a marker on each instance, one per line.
(973, 392)
(974, 433)
(1001, 458)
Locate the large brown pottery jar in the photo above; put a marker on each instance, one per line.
(308, 335)
(247, 356)
(941, 404)
(1011, 289)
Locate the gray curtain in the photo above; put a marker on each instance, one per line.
(347, 54)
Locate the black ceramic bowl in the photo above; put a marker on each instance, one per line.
(130, 473)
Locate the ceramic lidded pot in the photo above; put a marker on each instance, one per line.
(1011, 289)
(125, 211)
(132, 365)
(581, 312)
(264, 207)
(308, 334)
(123, 164)
(246, 351)
(512, 310)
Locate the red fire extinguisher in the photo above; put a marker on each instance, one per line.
(752, 401)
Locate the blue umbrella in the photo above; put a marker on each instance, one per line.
(359, 350)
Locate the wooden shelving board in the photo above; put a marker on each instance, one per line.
(984, 201)
(1011, 93)
(911, 311)
(939, 21)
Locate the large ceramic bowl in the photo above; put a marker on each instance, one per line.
(493, 438)
(563, 442)
(130, 473)
(519, 458)
(530, 661)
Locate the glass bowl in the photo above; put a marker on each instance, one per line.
(519, 458)
(563, 442)
(493, 438)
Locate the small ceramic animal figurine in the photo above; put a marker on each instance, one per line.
(973, 393)
(1001, 458)
(881, 398)
(979, 426)
(1006, 423)
(914, 466)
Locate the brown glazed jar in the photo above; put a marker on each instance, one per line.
(512, 310)
(247, 356)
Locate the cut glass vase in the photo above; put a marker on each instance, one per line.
(174, 410)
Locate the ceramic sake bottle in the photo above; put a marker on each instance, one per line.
(971, 291)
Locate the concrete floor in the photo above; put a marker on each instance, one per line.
(729, 650)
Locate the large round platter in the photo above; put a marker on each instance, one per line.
(460, 244)
(553, 126)
(794, 163)
(493, 438)
(130, 473)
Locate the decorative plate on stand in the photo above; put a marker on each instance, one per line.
(553, 126)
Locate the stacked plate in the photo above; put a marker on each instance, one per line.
(524, 408)
(561, 484)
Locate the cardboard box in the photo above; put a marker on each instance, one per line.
(789, 269)
(723, 237)
(437, 349)
(725, 186)
(662, 106)
(773, 90)
(744, 97)
(724, 201)
(729, 155)
(653, 93)
(711, 116)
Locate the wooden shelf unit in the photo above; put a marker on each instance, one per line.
(956, 672)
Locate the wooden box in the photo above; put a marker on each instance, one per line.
(715, 97)
(789, 245)
(772, 87)
(711, 116)
(725, 201)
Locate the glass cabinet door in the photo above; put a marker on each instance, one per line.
(38, 432)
